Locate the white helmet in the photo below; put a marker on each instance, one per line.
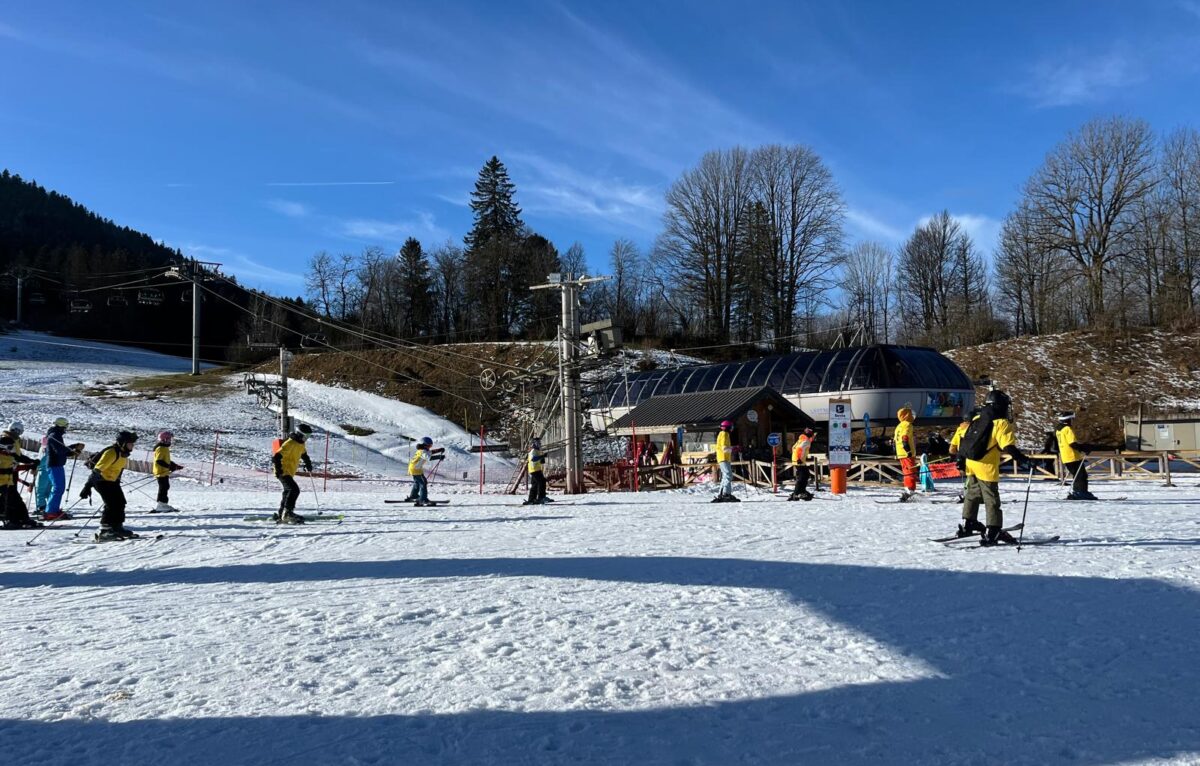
(16, 428)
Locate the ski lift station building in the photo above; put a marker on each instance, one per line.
(878, 380)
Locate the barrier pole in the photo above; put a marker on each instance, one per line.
(481, 468)
(325, 481)
(213, 471)
(774, 475)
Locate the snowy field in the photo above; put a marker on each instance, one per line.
(603, 629)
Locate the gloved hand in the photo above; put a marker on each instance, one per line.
(308, 466)
(86, 492)
(438, 457)
(961, 464)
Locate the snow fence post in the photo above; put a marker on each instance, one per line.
(481, 469)
(325, 481)
(213, 471)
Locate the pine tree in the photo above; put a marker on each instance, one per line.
(416, 289)
(497, 283)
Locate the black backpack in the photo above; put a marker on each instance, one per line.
(974, 443)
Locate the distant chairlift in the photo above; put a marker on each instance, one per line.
(37, 299)
(117, 301)
(80, 305)
(150, 296)
(314, 340)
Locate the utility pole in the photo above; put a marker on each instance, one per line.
(568, 372)
(285, 357)
(20, 296)
(195, 318)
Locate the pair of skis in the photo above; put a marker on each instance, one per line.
(954, 540)
(413, 502)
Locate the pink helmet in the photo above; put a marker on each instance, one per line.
(726, 424)
(165, 437)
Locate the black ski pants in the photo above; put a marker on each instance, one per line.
(164, 488)
(113, 515)
(802, 474)
(13, 505)
(291, 493)
(537, 487)
(1077, 470)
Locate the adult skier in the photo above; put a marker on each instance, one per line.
(16, 513)
(725, 464)
(107, 467)
(162, 469)
(58, 452)
(800, 452)
(42, 485)
(906, 449)
(286, 462)
(1071, 452)
(536, 466)
(989, 435)
(416, 470)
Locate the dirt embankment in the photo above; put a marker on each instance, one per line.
(1101, 376)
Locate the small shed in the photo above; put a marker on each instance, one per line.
(755, 412)
(1162, 431)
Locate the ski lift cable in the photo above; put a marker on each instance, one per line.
(137, 283)
(355, 356)
(395, 343)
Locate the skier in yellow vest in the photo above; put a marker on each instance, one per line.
(107, 467)
(1071, 452)
(286, 462)
(536, 465)
(983, 472)
(800, 452)
(162, 469)
(416, 470)
(725, 464)
(16, 513)
(906, 450)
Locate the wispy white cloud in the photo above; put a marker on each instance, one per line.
(1191, 6)
(243, 266)
(424, 227)
(1080, 78)
(289, 208)
(330, 183)
(869, 226)
(983, 229)
(553, 188)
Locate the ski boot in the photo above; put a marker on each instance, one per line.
(290, 517)
(125, 533)
(970, 527)
(164, 508)
(806, 496)
(792, 497)
(907, 495)
(60, 516)
(12, 525)
(31, 524)
(996, 536)
(107, 534)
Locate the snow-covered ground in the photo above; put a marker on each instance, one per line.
(610, 628)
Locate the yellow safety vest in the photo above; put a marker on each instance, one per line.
(988, 469)
(903, 431)
(1066, 437)
(800, 449)
(289, 456)
(111, 463)
(535, 466)
(162, 454)
(416, 466)
(724, 450)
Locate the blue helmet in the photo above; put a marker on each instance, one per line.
(427, 441)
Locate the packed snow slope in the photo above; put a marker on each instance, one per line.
(649, 629)
(103, 388)
(1102, 376)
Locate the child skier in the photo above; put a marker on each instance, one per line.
(57, 454)
(163, 468)
(286, 462)
(725, 464)
(1071, 452)
(906, 450)
(536, 464)
(16, 513)
(107, 468)
(416, 469)
(800, 451)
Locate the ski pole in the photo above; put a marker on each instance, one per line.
(1028, 485)
(74, 462)
(316, 500)
(42, 531)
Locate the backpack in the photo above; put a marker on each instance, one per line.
(974, 443)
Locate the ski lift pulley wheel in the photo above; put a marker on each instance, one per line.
(487, 379)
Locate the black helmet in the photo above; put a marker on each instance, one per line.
(126, 437)
(998, 402)
(298, 436)
(304, 428)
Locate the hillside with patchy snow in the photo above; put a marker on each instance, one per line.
(1100, 376)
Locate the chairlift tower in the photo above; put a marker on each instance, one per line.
(190, 270)
(568, 372)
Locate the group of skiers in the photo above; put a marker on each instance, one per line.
(50, 480)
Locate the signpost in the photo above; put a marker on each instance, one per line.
(774, 439)
(839, 444)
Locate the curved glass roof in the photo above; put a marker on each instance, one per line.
(803, 372)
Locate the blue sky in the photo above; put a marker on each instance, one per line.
(259, 133)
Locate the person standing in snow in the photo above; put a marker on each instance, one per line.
(416, 470)
(725, 464)
(163, 468)
(58, 452)
(994, 435)
(107, 468)
(42, 486)
(1071, 452)
(286, 462)
(800, 452)
(906, 449)
(16, 513)
(536, 465)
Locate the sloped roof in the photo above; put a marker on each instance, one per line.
(705, 408)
